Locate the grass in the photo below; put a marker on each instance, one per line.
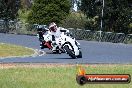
(7, 50)
(57, 76)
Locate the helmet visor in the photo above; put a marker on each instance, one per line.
(53, 28)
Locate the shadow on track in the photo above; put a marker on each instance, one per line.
(64, 58)
(60, 56)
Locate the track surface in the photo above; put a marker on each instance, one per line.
(93, 52)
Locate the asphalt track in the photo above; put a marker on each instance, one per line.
(93, 52)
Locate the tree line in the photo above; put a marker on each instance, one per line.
(117, 14)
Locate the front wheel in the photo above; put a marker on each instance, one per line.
(80, 54)
(69, 51)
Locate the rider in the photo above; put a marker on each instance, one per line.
(55, 33)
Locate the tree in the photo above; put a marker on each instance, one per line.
(117, 14)
(25, 4)
(73, 4)
(74, 20)
(92, 9)
(8, 10)
(24, 10)
(46, 11)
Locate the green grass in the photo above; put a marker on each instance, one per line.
(7, 50)
(58, 76)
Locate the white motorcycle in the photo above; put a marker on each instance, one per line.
(67, 43)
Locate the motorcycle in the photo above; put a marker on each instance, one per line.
(66, 43)
(69, 44)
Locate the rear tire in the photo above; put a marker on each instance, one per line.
(41, 46)
(69, 52)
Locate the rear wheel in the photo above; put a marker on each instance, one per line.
(69, 51)
(41, 46)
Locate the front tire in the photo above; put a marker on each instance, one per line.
(69, 52)
(80, 54)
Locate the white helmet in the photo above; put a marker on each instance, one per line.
(53, 27)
